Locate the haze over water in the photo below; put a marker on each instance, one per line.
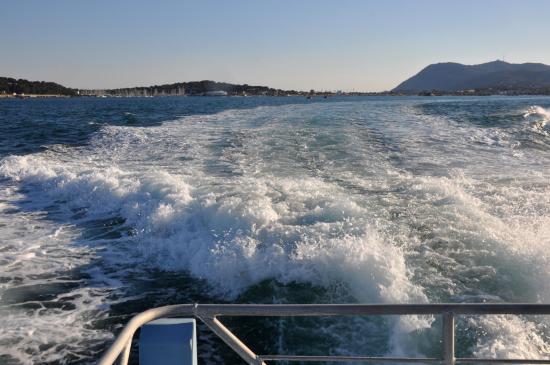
(112, 206)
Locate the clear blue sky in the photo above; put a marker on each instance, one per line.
(301, 44)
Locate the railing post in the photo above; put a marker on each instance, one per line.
(231, 340)
(448, 338)
(125, 354)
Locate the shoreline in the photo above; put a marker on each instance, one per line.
(308, 96)
(29, 96)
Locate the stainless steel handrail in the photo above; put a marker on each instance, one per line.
(208, 314)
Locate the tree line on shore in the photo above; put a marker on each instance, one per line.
(10, 86)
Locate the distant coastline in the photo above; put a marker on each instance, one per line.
(21, 88)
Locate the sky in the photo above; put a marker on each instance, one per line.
(346, 45)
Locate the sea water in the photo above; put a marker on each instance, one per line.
(112, 206)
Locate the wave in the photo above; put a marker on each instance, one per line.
(292, 230)
(538, 117)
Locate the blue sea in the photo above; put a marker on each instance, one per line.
(110, 206)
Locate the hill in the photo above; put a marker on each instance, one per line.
(10, 85)
(499, 75)
(190, 88)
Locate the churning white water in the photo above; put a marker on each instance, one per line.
(371, 201)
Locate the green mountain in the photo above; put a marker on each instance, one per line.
(498, 75)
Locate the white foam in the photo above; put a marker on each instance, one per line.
(538, 118)
(509, 337)
(219, 237)
(38, 255)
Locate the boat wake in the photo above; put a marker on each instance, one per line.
(275, 204)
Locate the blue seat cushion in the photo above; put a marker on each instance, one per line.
(168, 341)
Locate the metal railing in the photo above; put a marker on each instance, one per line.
(209, 313)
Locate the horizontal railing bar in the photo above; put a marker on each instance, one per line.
(468, 360)
(349, 359)
(395, 359)
(283, 310)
